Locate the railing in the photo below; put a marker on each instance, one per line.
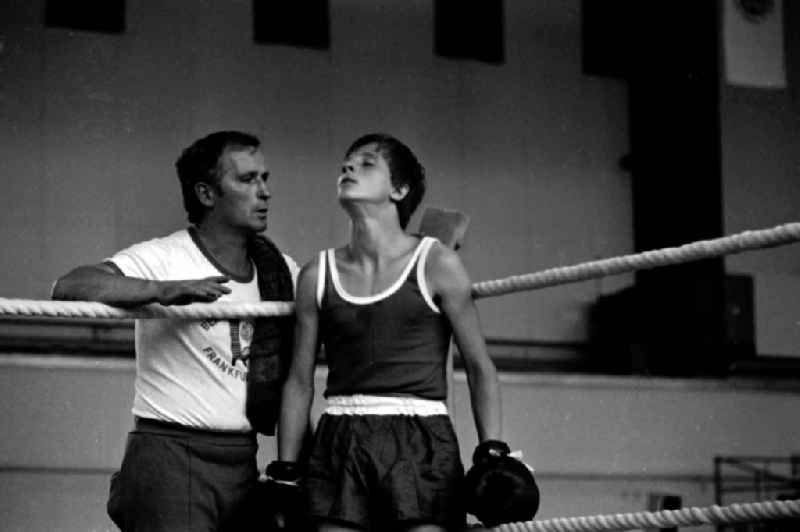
(759, 478)
(115, 338)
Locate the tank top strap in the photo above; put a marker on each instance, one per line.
(424, 248)
(321, 276)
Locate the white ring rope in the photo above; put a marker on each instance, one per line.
(694, 516)
(703, 249)
(87, 309)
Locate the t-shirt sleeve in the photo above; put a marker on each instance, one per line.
(294, 269)
(145, 260)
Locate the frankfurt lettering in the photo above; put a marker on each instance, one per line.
(224, 366)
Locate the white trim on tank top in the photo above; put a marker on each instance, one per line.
(427, 242)
(421, 253)
(321, 278)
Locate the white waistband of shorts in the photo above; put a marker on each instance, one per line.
(381, 405)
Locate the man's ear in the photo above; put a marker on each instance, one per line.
(399, 192)
(206, 194)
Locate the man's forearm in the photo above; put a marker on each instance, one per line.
(91, 283)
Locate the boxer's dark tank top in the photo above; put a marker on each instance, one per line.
(392, 343)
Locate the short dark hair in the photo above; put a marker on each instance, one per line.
(404, 167)
(200, 163)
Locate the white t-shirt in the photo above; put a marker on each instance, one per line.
(190, 372)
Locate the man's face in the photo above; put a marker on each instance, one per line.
(243, 196)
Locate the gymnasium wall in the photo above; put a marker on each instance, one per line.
(90, 126)
(761, 188)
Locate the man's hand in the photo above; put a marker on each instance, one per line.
(205, 290)
(105, 283)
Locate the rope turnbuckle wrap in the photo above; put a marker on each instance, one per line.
(694, 516)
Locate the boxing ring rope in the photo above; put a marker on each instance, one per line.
(694, 516)
(702, 249)
(89, 309)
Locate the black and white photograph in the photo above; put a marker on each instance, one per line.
(400, 265)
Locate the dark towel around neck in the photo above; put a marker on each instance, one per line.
(273, 338)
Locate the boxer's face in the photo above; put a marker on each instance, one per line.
(366, 176)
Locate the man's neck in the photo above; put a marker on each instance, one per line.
(228, 247)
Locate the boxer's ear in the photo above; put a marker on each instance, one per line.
(399, 192)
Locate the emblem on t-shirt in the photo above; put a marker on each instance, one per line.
(207, 324)
(246, 331)
(241, 333)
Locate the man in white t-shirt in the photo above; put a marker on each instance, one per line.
(190, 461)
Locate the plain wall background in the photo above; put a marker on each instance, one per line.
(91, 124)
